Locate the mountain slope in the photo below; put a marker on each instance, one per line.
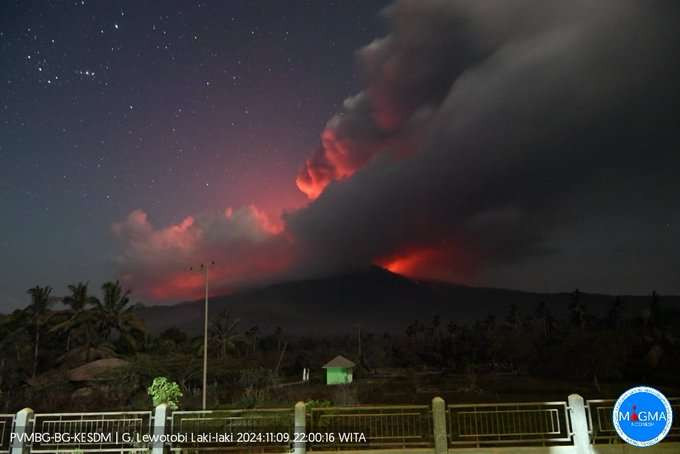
(376, 299)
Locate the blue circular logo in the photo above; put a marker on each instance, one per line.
(642, 416)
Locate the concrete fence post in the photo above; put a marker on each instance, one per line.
(299, 445)
(159, 422)
(441, 442)
(579, 424)
(22, 420)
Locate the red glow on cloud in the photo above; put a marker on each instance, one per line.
(183, 285)
(318, 171)
(273, 226)
(408, 264)
(190, 284)
(311, 181)
(246, 245)
(340, 155)
(446, 263)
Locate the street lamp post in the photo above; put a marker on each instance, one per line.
(204, 268)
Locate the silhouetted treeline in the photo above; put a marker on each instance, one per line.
(43, 344)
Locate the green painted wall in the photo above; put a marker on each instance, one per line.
(338, 375)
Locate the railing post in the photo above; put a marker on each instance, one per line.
(21, 429)
(299, 445)
(159, 421)
(579, 424)
(441, 442)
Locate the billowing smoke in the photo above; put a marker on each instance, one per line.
(489, 133)
(410, 73)
(244, 244)
(486, 126)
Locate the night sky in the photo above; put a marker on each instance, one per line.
(524, 144)
(175, 108)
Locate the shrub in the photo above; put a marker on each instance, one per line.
(252, 398)
(163, 391)
(317, 403)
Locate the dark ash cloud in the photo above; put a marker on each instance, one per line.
(526, 143)
(486, 126)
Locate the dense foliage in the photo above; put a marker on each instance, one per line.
(517, 355)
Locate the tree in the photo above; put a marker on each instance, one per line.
(39, 310)
(16, 351)
(513, 318)
(115, 314)
(420, 329)
(436, 327)
(544, 316)
(251, 335)
(79, 317)
(655, 308)
(577, 310)
(411, 332)
(174, 335)
(278, 335)
(452, 329)
(489, 326)
(223, 333)
(614, 314)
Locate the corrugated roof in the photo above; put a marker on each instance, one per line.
(339, 361)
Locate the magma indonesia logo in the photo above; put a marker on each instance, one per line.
(642, 416)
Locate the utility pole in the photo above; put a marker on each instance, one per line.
(359, 343)
(204, 268)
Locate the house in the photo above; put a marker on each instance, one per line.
(339, 371)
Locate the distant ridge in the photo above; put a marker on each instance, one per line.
(376, 299)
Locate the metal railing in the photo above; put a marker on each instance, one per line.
(6, 428)
(407, 426)
(533, 423)
(101, 432)
(601, 424)
(361, 428)
(259, 429)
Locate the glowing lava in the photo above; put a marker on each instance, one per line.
(408, 264)
(444, 263)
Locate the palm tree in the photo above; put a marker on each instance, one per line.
(278, 334)
(251, 335)
(452, 329)
(655, 308)
(615, 313)
(513, 317)
(490, 324)
(39, 311)
(14, 336)
(436, 325)
(420, 329)
(78, 315)
(115, 313)
(542, 313)
(411, 332)
(578, 310)
(223, 332)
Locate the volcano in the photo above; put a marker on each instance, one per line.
(374, 298)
